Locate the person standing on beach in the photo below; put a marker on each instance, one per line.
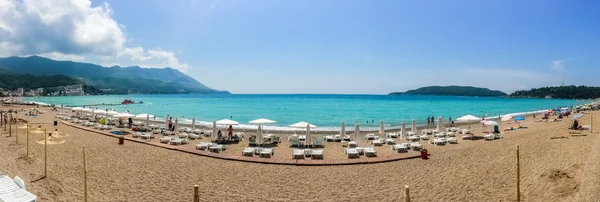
(428, 121)
(171, 128)
(230, 132)
(130, 121)
(432, 121)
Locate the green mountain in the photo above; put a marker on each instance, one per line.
(12, 81)
(132, 79)
(453, 91)
(561, 92)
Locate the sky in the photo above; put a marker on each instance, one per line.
(320, 46)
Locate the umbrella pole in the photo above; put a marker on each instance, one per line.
(27, 129)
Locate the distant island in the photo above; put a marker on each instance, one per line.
(92, 77)
(453, 91)
(560, 92)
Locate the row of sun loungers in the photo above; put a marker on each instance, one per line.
(356, 152)
(13, 190)
(261, 152)
(213, 147)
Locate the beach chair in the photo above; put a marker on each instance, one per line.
(439, 141)
(252, 141)
(392, 135)
(400, 148)
(248, 151)
(337, 138)
(156, 131)
(370, 137)
(147, 136)
(416, 146)
(183, 135)
(440, 135)
(489, 137)
(177, 141)
(352, 153)
(187, 130)
(193, 136)
(203, 145)
(317, 154)
(352, 144)
(424, 137)
(346, 138)
(165, 140)
(266, 152)
(414, 138)
(377, 142)
(136, 134)
(298, 154)
(7, 185)
(318, 143)
(14, 190)
(451, 134)
(328, 138)
(390, 141)
(216, 147)
(370, 152)
(197, 131)
(294, 142)
(452, 140)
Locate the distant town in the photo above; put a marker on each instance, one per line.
(69, 90)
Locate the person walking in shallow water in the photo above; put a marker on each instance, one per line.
(428, 121)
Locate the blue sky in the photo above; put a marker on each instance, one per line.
(351, 46)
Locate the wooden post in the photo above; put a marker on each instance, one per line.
(406, 194)
(85, 193)
(518, 176)
(196, 195)
(27, 129)
(45, 153)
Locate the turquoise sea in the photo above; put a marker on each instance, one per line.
(325, 111)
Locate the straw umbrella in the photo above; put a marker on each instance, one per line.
(413, 128)
(193, 123)
(167, 123)
(259, 138)
(214, 130)
(307, 135)
(381, 128)
(440, 124)
(343, 131)
(356, 131)
(176, 127)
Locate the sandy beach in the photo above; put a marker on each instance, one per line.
(564, 169)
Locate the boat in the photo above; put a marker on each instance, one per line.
(126, 101)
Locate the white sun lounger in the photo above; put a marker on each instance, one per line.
(451, 134)
(451, 140)
(197, 131)
(489, 137)
(203, 145)
(298, 154)
(414, 138)
(392, 135)
(248, 151)
(136, 134)
(439, 141)
(410, 133)
(268, 152)
(400, 148)
(424, 137)
(183, 135)
(377, 142)
(416, 146)
(370, 152)
(193, 136)
(440, 135)
(317, 154)
(390, 141)
(14, 190)
(147, 136)
(165, 140)
(352, 153)
(370, 136)
(7, 185)
(216, 147)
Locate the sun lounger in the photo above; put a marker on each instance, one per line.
(294, 142)
(400, 148)
(136, 134)
(390, 141)
(187, 130)
(465, 131)
(248, 151)
(352, 153)
(451, 140)
(165, 140)
(370, 152)
(370, 137)
(424, 137)
(147, 136)
(216, 147)
(14, 190)
(7, 185)
(328, 138)
(439, 141)
(352, 144)
(440, 135)
(377, 142)
(156, 131)
(177, 141)
(414, 138)
(266, 152)
(183, 135)
(410, 133)
(298, 154)
(451, 134)
(318, 143)
(416, 146)
(193, 136)
(197, 131)
(392, 135)
(337, 138)
(489, 137)
(317, 154)
(19, 195)
(203, 145)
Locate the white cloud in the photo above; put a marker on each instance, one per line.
(558, 65)
(72, 30)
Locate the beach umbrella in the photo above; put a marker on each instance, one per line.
(143, 116)
(302, 124)
(227, 122)
(307, 139)
(193, 123)
(124, 115)
(356, 131)
(413, 128)
(519, 118)
(403, 132)
(506, 118)
(343, 130)
(262, 121)
(167, 123)
(490, 123)
(147, 120)
(87, 110)
(468, 119)
(440, 124)
(259, 136)
(176, 127)
(76, 108)
(576, 116)
(214, 131)
(381, 128)
(97, 111)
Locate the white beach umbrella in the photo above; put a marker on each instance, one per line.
(343, 130)
(381, 128)
(124, 115)
(307, 135)
(440, 124)
(227, 122)
(147, 120)
(302, 124)
(413, 128)
(76, 108)
(87, 110)
(167, 123)
(214, 131)
(193, 123)
(356, 131)
(468, 119)
(490, 123)
(403, 132)
(506, 118)
(98, 111)
(262, 121)
(112, 113)
(143, 116)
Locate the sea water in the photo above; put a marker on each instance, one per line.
(325, 111)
